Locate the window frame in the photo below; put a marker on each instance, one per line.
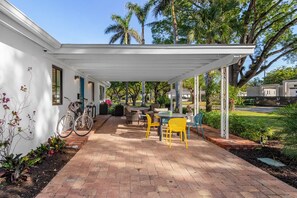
(55, 68)
(103, 90)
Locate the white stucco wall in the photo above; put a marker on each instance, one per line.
(290, 88)
(17, 53)
(253, 91)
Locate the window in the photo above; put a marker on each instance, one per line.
(92, 90)
(57, 85)
(101, 93)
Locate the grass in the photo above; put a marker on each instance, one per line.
(271, 120)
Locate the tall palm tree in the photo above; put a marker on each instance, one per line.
(122, 30)
(160, 7)
(214, 24)
(141, 14)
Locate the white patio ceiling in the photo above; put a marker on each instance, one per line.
(148, 62)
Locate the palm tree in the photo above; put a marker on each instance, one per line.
(213, 25)
(160, 7)
(122, 30)
(141, 14)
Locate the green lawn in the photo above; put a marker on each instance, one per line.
(271, 120)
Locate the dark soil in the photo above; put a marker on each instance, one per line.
(38, 177)
(287, 174)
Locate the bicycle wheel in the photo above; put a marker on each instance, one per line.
(83, 125)
(65, 126)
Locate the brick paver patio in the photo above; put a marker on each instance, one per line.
(118, 161)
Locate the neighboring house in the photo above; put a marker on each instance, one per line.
(24, 45)
(287, 89)
(186, 93)
(242, 93)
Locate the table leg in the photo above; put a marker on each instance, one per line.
(160, 131)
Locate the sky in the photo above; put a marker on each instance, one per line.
(78, 21)
(84, 21)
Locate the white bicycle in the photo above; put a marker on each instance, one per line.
(75, 120)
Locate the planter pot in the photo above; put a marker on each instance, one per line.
(119, 110)
(103, 109)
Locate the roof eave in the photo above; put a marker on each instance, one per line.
(26, 26)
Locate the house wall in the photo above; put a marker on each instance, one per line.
(17, 53)
(290, 88)
(253, 91)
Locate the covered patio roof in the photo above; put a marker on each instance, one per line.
(170, 63)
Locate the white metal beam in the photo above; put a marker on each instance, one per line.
(227, 60)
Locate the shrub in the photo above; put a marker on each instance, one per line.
(56, 144)
(162, 100)
(118, 110)
(290, 130)
(238, 126)
(212, 119)
(111, 110)
(14, 167)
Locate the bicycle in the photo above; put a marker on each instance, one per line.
(81, 123)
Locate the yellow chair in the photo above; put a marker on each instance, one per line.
(177, 125)
(150, 124)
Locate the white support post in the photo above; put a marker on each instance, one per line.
(180, 96)
(196, 95)
(171, 98)
(225, 102)
(143, 94)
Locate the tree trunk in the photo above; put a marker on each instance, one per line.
(192, 97)
(156, 95)
(127, 93)
(174, 22)
(142, 34)
(134, 100)
(232, 105)
(208, 91)
(175, 41)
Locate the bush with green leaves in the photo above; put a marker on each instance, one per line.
(56, 144)
(118, 110)
(162, 100)
(14, 167)
(212, 119)
(238, 126)
(290, 130)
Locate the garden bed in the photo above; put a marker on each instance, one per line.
(287, 174)
(39, 176)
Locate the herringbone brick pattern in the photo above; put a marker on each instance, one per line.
(119, 162)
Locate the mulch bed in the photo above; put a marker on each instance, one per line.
(39, 176)
(287, 174)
